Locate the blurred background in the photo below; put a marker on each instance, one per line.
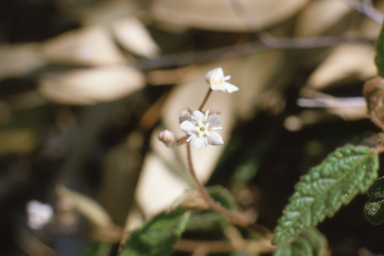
(86, 86)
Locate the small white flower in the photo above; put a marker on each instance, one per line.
(39, 214)
(202, 128)
(217, 80)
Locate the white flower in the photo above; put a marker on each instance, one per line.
(217, 80)
(203, 129)
(39, 214)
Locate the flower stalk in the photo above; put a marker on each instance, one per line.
(235, 218)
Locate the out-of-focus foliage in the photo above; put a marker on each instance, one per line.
(158, 236)
(309, 243)
(373, 209)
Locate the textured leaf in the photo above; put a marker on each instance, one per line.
(299, 247)
(158, 236)
(316, 239)
(321, 192)
(310, 242)
(374, 210)
(222, 196)
(379, 60)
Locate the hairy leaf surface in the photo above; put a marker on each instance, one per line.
(309, 243)
(374, 209)
(379, 60)
(321, 192)
(158, 236)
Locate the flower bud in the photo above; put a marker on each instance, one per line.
(374, 97)
(185, 114)
(168, 138)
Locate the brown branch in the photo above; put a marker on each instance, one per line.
(183, 59)
(235, 218)
(259, 246)
(365, 7)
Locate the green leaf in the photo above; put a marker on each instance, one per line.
(158, 236)
(379, 60)
(374, 210)
(309, 243)
(321, 192)
(209, 220)
(222, 196)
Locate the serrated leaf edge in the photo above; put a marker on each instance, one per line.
(323, 193)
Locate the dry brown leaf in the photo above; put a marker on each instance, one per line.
(134, 36)
(221, 15)
(87, 46)
(157, 187)
(319, 17)
(18, 60)
(350, 114)
(254, 76)
(370, 28)
(90, 86)
(106, 12)
(346, 63)
(92, 210)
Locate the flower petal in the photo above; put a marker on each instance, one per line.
(217, 87)
(215, 139)
(230, 87)
(219, 72)
(197, 115)
(227, 78)
(206, 141)
(197, 142)
(215, 76)
(209, 75)
(214, 120)
(188, 127)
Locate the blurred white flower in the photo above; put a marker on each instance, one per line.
(202, 128)
(39, 214)
(217, 80)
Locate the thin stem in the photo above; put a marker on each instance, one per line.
(201, 188)
(182, 140)
(236, 219)
(254, 246)
(205, 99)
(184, 59)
